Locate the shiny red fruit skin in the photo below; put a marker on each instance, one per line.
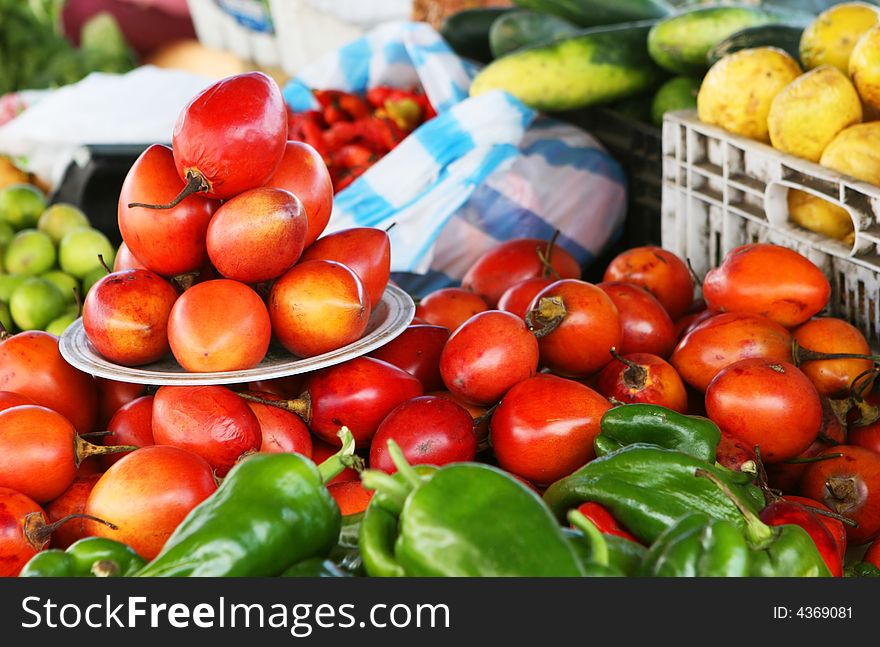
(514, 261)
(357, 394)
(146, 495)
(786, 477)
(662, 385)
(544, 428)
(417, 351)
(350, 496)
(303, 172)
(15, 548)
(603, 520)
(732, 453)
(171, 241)
(850, 486)
(872, 556)
(690, 321)
(490, 353)
(517, 298)
(450, 307)
(645, 324)
(867, 436)
(723, 339)
(280, 430)
(766, 403)
(210, 421)
(125, 316)
(582, 343)
(257, 235)
(112, 395)
(834, 526)
(781, 512)
(36, 452)
(234, 132)
(660, 272)
(429, 431)
(131, 425)
(125, 260)
(366, 251)
(31, 365)
(71, 501)
(768, 280)
(8, 399)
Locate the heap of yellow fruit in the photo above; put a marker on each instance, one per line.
(829, 114)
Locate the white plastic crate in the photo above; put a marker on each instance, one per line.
(304, 30)
(721, 191)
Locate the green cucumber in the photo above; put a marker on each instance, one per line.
(518, 29)
(594, 13)
(587, 68)
(680, 43)
(467, 32)
(679, 93)
(784, 37)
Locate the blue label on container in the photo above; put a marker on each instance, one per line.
(253, 14)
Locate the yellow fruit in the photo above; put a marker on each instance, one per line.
(832, 35)
(737, 91)
(856, 152)
(820, 216)
(864, 68)
(10, 173)
(811, 110)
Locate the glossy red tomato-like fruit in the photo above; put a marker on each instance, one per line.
(350, 496)
(71, 501)
(286, 387)
(112, 395)
(850, 486)
(768, 280)
(219, 325)
(357, 394)
(417, 351)
(125, 260)
(782, 512)
(832, 377)
(257, 235)
(766, 403)
(590, 327)
(450, 307)
(17, 541)
(131, 425)
(8, 399)
(834, 526)
(317, 307)
(280, 430)
(232, 135)
(645, 378)
(660, 272)
(645, 324)
(723, 339)
(478, 414)
(171, 241)
(125, 316)
(867, 436)
(429, 431)
(31, 365)
(690, 321)
(366, 251)
(786, 477)
(321, 451)
(512, 262)
(303, 172)
(491, 352)
(146, 495)
(517, 298)
(544, 428)
(733, 453)
(210, 421)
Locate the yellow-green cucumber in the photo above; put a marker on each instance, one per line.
(594, 13)
(522, 28)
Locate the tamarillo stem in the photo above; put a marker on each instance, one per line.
(38, 532)
(635, 376)
(195, 183)
(549, 313)
(302, 406)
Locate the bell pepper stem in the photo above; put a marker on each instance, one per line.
(345, 457)
(393, 490)
(598, 545)
(758, 533)
(405, 470)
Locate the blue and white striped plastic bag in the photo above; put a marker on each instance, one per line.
(484, 170)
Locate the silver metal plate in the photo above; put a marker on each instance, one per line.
(390, 318)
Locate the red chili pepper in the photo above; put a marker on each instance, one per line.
(377, 95)
(354, 106)
(603, 520)
(352, 155)
(339, 134)
(380, 133)
(304, 127)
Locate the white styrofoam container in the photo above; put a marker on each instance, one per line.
(304, 29)
(721, 191)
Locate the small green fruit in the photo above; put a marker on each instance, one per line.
(61, 219)
(8, 285)
(91, 278)
(58, 325)
(65, 283)
(5, 317)
(35, 303)
(21, 205)
(79, 251)
(30, 253)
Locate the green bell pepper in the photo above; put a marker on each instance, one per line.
(315, 567)
(649, 423)
(648, 488)
(464, 519)
(271, 511)
(697, 546)
(861, 569)
(88, 557)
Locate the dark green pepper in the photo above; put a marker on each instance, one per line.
(593, 547)
(861, 569)
(89, 557)
(649, 423)
(465, 519)
(697, 546)
(624, 555)
(648, 488)
(271, 512)
(315, 567)
(774, 551)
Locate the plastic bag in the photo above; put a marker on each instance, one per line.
(484, 170)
